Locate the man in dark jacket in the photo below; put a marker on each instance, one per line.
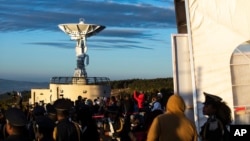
(16, 125)
(65, 129)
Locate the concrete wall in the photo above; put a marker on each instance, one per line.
(70, 91)
(38, 95)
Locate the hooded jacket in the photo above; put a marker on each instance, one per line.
(173, 125)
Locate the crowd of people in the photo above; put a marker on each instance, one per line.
(128, 118)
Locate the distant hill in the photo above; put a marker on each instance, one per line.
(151, 85)
(13, 85)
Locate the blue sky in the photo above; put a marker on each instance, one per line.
(136, 42)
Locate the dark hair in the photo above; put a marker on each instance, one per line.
(224, 113)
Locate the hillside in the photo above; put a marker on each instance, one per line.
(119, 87)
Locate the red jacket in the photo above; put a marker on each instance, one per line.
(139, 99)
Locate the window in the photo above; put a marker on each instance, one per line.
(240, 75)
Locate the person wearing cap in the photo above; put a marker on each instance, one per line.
(51, 112)
(16, 125)
(88, 124)
(113, 125)
(44, 128)
(173, 125)
(219, 117)
(65, 129)
(41, 127)
(37, 112)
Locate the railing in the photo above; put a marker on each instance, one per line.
(80, 80)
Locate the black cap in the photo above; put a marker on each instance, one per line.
(211, 99)
(63, 104)
(39, 111)
(16, 117)
(45, 123)
(50, 109)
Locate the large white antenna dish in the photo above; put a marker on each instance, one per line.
(80, 32)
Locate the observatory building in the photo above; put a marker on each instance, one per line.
(80, 84)
(211, 53)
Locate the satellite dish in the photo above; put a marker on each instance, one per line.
(80, 32)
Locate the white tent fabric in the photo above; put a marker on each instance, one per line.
(216, 28)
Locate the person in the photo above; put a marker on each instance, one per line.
(219, 118)
(159, 95)
(113, 101)
(155, 104)
(65, 129)
(37, 112)
(16, 125)
(96, 106)
(161, 99)
(41, 127)
(88, 124)
(2, 123)
(137, 129)
(140, 98)
(173, 125)
(112, 128)
(18, 100)
(127, 106)
(79, 102)
(44, 128)
(155, 110)
(51, 112)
